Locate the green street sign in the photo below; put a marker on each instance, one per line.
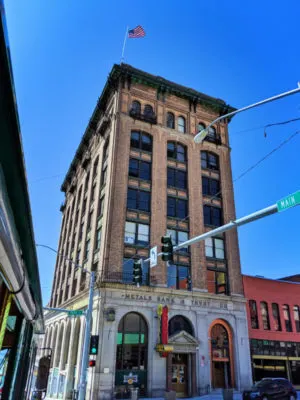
(289, 201)
(75, 313)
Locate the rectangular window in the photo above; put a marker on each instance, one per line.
(212, 215)
(138, 200)
(104, 176)
(209, 161)
(179, 277)
(87, 249)
(217, 282)
(177, 208)
(81, 231)
(93, 193)
(98, 239)
(276, 317)
(89, 222)
(177, 178)
(87, 179)
(297, 317)
(214, 247)
(136, 233)
(253, 314)
(287, 318)
(101, 207)
(178, 237)
(140, 169)
(210, 187)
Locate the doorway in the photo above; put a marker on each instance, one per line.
(179, 374)
(221, 374)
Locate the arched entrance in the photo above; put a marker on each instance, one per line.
(131, 357)
(181, 363)
(222, 370)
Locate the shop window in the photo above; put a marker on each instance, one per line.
(265, 315)
(287, 318)
(253, 314)
(276, 317)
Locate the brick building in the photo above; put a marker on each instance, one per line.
(136, 175)
(274, 327)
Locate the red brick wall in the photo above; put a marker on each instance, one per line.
(272, 291)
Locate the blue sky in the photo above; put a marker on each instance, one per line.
(242, 52)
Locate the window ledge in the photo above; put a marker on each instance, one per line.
(136, 209)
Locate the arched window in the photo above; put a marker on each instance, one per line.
(178, 324)
(287, 318)
(201, 126)
(181, 124)
(148, 110)
(176, 151)
(253, 314)
(265, 315)
(132, 343)
(140, 140)
(212, 134)
(136, 107)
(170, 120)
(219, 342)
(276, 317)
(297, 318)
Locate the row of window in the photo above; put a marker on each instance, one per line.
(275, 315)
(175, 151)
(136, 109)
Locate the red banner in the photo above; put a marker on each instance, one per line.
(165, 327)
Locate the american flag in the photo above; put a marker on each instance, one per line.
(137, 32)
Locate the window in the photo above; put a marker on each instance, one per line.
(212, 134)
(89, 223)
(179, 277)
(212, 215)
(101, 207)
(181, 124)
(176, 151)
(140, 169)
(87, 182)
(178, 324)
(136, 233)
(148, 110)
(217, 281)
(93, 193)
(178, 237)
(170, 120)
(201, 126)
(104, 175)
(84, 206)
(214, 247)
(81, 231)
(98, 239)
(209, 160)
(265, 315)
(141, 141)
(87, 249)
(297, 318)
(276, 317)
(77, 258)
(95, 167)
(136, 107)
(210, 187)
(177, 178)
(138, 200)
(128, 271)
(287, 318)
(105, 151)
(253, 314)
(177, 208)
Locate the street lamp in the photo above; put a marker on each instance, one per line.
(87, 331)
(203, 133)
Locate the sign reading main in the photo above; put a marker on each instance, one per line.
(289, 201)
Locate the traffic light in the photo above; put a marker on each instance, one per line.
(137, 272)
(92, 363)
(167, 248)
(94, 344)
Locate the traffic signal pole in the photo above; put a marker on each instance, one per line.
(86, 344)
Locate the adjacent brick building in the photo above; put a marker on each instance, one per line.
(274, 326)
(136, 175)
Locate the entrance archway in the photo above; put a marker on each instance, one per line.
(132, 355)
(221, 348)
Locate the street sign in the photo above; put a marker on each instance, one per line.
(153, 257)
(289, 201)
(75, 313)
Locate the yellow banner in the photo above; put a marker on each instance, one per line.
(4, 319)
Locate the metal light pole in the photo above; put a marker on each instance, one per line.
(203, 133)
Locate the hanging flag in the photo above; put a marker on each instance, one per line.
(137, 32)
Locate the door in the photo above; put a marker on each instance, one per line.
(179, 374)
(218, 375)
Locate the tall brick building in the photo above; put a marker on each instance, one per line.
(137, 175)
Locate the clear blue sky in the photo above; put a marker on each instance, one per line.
(242, 52)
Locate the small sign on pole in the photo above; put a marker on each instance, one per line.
(289, 201)
(153, 257)
(75, 313)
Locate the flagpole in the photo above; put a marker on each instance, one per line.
(125, 38)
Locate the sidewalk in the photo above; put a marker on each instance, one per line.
(212, 396)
